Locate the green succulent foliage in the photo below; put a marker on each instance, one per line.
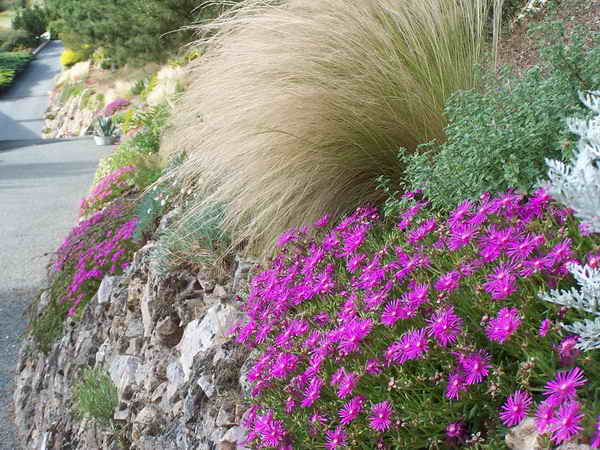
(498, 138)
(139, 86)
(105, 127)
(95, 396)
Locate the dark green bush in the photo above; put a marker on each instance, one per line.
(498, 138)
(33, 20)
(11, 40)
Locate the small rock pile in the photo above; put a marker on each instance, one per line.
(163, 340)
(69, 119)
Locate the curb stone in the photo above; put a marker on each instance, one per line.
(40, 47)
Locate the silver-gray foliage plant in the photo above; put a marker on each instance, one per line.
(577, 186)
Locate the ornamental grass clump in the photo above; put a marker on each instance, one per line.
(420, 332)
(98, 246)
(297, 106)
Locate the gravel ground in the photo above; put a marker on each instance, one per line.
(41, 183)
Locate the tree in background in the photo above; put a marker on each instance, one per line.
(34, 20)
(130, 31)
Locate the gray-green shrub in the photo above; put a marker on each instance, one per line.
(498, 138)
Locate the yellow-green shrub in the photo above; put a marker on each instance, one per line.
(70, 57)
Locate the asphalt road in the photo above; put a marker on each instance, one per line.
(41, 183)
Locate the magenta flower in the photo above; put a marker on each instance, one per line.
(461, 235)
(312, 393)
(353, 333)
(456, 385)
(455, 430)
(561, 252)
(419, 233)
(284, 365)
(567, 350)
(543, 416)
(335, 438)
(515, 408)
(503, 325)
(373, 367)
(347, 384)
(501, 281)
(544, 328)
(566, 422)
(476, 366)
(444, 326)
(271, 431)
(381, 416)
(286, 238)
(448, 282)
(535, 265)
(322, 222)
(412, 345)
(397, 310)
(563, 386)
(337, 376)
(521, 249)
(351, 410)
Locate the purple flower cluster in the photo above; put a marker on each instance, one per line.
(96, 247)
(442, 307)
(115, 106)
(107, 189)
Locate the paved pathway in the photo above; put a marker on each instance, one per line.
(41, 183)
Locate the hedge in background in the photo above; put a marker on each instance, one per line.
(11, 63)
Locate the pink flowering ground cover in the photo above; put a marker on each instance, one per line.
(109, 188)
(421, 332)
(116, 105)
(98, 246)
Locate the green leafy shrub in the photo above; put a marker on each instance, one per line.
(319, 97)
(499, 137)
(421, 332)
(148, 166)
(34, 20)
(150, 86)
(11, 63)
(98, 246)
(95, 396)
(150, 124)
